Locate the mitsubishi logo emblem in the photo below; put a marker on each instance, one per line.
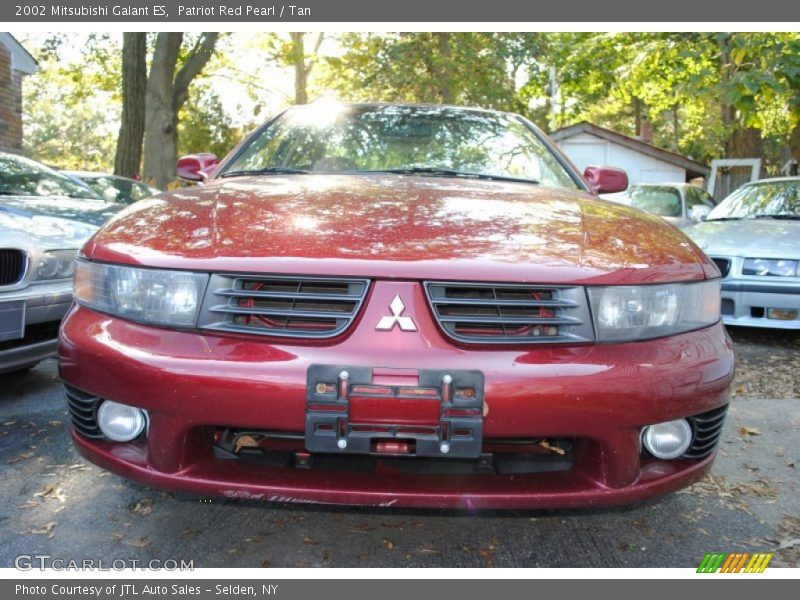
(387, 323)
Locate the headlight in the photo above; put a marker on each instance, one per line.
(56, 264)
(155, 296)
(775, 267)
(649, 311)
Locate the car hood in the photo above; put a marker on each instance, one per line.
(399, 226)
(762, 238)
(33, 231)
(85, 210)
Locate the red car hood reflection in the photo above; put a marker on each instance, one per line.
(401, 227)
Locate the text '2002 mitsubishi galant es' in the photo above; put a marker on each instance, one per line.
(397, 306)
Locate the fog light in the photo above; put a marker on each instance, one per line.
(667, 440)
(120, 422)
(782, 314)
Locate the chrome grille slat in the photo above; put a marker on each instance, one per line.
(13, 264)
(282, 306)
(278, 312)
(283, 295)
(502, 313)
(707, 429)
(510, 320)
(83, 412)
(523, 303)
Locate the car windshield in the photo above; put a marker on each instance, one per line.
(663, 201)
(434, 141)
(20, 176)
(778, 199)
(118, 189)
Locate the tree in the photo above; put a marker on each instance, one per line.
(451, 68)
(301, 63)
(128, 159)
(79, 76)
(167, 91)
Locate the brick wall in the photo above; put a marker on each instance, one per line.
(10, 104)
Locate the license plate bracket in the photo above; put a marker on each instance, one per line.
(438, 413)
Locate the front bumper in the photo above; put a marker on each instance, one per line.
(45, 304)
(746, 302)
(193, 384)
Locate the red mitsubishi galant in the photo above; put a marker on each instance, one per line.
(397, 306)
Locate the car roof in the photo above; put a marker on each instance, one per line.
(88, 173)
(665, 184)
(773, 180)
(476, 109)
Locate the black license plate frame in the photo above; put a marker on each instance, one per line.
(458, 433)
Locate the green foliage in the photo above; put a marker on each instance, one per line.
(72, 106)
(203, 124)
(458, 68)
(698, 90)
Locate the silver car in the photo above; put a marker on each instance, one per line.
(37, 256)
(681, 204)
(754, 237)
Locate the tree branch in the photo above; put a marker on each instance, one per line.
(192, 66)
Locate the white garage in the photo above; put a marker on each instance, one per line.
(586, 144)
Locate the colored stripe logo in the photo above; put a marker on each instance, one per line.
(739, 562)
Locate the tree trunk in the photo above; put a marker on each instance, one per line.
(637, 116)
(128, 160)
(300, 70)
(166, 94)
(161, 138)
(794, 143)
(745, 142)
(445, 68)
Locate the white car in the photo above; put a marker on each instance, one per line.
(754, 237)
(37, 260)
(681, 204)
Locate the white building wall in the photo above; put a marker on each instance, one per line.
(585, 149)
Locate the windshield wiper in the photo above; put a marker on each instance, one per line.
(265, 171)
(439, 172)
(725, 219)
(779, 216)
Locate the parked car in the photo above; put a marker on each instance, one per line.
(30, 188)
(681, 204)
(754, 237)
(37, 261)
(399, 306)
(114, 188)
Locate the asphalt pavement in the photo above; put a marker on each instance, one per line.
(53, 502)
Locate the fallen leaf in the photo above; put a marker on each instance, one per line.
(140, 543)
(545, 444)
(47, 529)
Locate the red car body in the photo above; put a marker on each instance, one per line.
(396, 232)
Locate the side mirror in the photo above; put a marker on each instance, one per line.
(699, 213)
(606, 180)
(197, 167)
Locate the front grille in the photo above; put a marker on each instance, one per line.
(34, 333)
(12, 266)
(300, 307)
(707, 429)
(510, 313)
(723, 264)
(83, 412)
